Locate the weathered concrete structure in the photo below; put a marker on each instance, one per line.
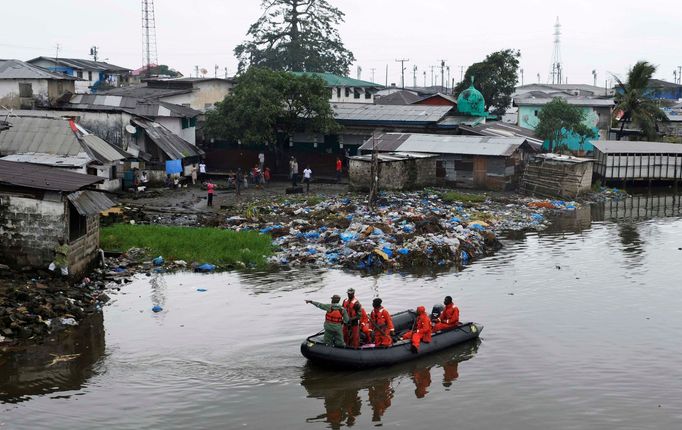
(25, 86)
(552, 175)
(396, 171)
(38, 206)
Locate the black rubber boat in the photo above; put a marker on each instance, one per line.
(315, 350)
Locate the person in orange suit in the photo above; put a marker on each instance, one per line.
(422, 329)
(351, 331)
(449, 317)
(381, 324)
(365, 326)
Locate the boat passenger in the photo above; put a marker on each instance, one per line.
(422, 329)
(351, 331)
(381, 324)
(334, 320)
(449, 317)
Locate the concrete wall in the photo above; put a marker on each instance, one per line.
(205, 95)
(175, 126)
(394, 175)
(84, 249)
(9, 92)
(29, 228)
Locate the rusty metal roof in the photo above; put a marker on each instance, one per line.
(445, 144)
(90, 202)
(43, 177)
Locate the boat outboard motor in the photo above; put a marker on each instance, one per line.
(435, 312)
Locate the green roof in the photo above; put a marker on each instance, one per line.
(338, 81)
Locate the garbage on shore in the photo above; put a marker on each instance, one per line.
(405, 231)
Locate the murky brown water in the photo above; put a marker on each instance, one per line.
(582, 327)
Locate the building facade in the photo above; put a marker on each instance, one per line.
(25, 86)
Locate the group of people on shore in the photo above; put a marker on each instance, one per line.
(348, 324)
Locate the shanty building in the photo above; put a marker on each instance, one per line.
(25, 86)
(41, 204)
(637, 161)
(494, 163)
(554, 175)
(61, 143)
(395, 170)
(92, 75)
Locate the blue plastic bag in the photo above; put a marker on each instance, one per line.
(206, 267)
(158, 261)
(157, 308)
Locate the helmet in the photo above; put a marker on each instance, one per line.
(420, 310)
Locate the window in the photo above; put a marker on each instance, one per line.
(536, 112)
(89, 76)
(25, 90)
(347, 92)
(356, 94)
(338, 93)
(496, 166)
(368, 95)
(78, 224)
(60, 87)
(79, 74)
(331, 94)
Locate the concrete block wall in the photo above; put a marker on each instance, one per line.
(29, 229)
(84, 249)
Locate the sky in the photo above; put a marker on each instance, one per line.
(605, 36)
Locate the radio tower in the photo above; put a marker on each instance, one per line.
(149, 36)
(557, 67)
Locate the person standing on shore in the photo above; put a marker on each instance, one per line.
(261, 160)
(194, 174)
(238, 181)
(334, 320)
(307, 176)
(294, 172)
(339, 168)
(202, 170)
(266, 175)
(211, 189)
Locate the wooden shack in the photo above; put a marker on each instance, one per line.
(625, 161)
(553, 175)
(396, 171)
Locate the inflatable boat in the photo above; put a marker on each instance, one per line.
(315, 350)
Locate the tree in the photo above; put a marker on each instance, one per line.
(164, 70)
(495, 77)
(558, 120)
(296, 35)
(265, 102)
(633, 104)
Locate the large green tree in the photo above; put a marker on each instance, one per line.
(632, 103)
(266, 102)
(558, 120)
(296, 35)
(495, 77)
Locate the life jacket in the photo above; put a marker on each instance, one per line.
(450, 314)
(379, 318)
(334, 316)
(349, 305)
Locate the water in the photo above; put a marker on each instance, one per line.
(582, 326)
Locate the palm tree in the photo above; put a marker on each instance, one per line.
(635, 105)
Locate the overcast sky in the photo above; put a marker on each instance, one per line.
(607, 36)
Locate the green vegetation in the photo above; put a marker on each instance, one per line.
(558, 120)
(454, 196)
(192, 244)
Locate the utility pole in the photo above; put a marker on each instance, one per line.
(215, 71)
(432, 68)
(402, 62)
(56, 57)
(424, 78)
(679, 74)
(594, 76)
(461, 73)
(414, 76)
(196, 71)
(442, 74)
(521, 76)
(225, 72)
(93, 53)
(372, 70)
(386, 75)
(538, 78)
(448, 81)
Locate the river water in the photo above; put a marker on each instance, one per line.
(582, 331)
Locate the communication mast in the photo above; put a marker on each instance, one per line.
(150, 58)
(557, 67)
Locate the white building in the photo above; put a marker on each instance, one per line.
(92, 75)
(25, 86)
(346, 90)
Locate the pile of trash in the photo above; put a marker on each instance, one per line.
(405, 231)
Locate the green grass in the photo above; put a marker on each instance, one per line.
(454, 196)
(192, 244)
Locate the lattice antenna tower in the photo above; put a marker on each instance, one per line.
(149, 36)
(557, 68)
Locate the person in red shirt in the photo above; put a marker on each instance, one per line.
(351, 331)
(266, 175)
(422, 329)
(449, 317)
(211, 188)
(339, 167)
(381, 324)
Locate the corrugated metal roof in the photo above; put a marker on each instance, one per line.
(43, 177)
(15, 69)
(531, 101)
(564, 158)
(132, 105)
(339, 81)
(143, 91)
(445, 144)
(401, 97)
(102, 150)
(172, 145)
(90, 202)
(389, 113)
(393, 156)
(501, 129)
(622, 146)
(83, 64)
(76, 161)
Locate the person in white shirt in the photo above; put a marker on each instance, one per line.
(307, 174)
(261, 161)
(202, 171)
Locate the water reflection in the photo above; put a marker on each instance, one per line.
(630, 238)
(342, 392)
(64, 362)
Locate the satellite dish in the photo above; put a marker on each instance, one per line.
(204, 71)
(130, 129)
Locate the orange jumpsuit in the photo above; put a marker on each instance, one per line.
(382, 326)
(447, 319)
(422, 329)
(365, 326)
(351, 332)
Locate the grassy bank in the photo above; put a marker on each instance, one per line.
(192, 244)
(454, 196)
